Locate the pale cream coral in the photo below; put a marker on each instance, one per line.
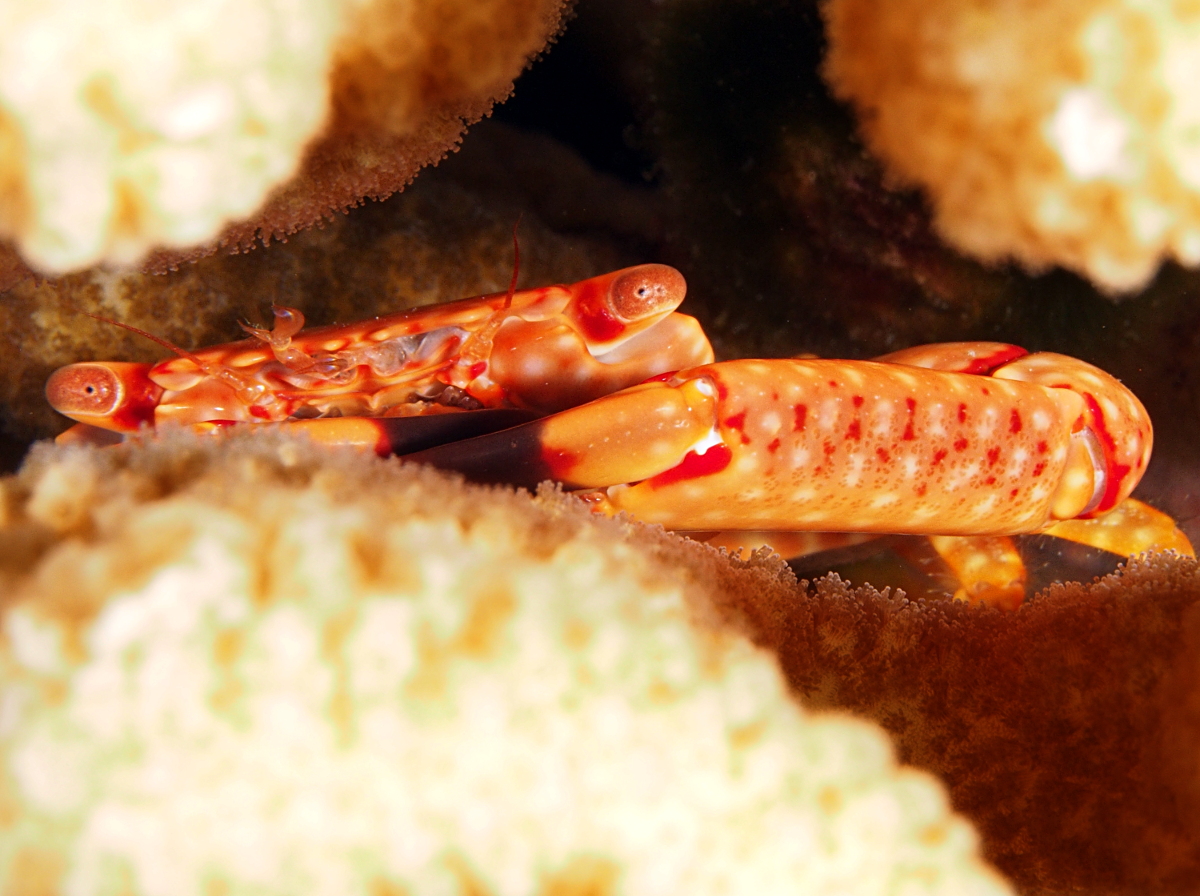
(1055, 133)
(138, 123)
(248, 668)
(127, 127)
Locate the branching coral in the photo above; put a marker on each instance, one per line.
(124, 128)
(253, 666)
(1054, 133)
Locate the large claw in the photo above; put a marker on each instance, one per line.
(838, 446)
(634, 434)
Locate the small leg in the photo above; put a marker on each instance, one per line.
(86, 434)
(393, 435)
(988, 568)
(1129, 528)
(788, 545)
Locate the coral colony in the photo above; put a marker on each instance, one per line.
(252, 665)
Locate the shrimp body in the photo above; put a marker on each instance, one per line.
(539, 349)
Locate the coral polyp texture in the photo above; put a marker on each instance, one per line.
(1053, 133)
(248, 666)
(125, 127)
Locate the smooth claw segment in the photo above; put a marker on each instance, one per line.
(1111, 439)
(402, 435)
(116, 395)
(85, 434)
(545, 366)
(634, 434)
(614, 331)
(615, 306)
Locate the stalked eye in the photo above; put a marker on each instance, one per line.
(84, 389)
(646, 290)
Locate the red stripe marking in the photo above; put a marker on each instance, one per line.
(595, 319)
(661, 377)
(1014, 421)
(998, 358)
(694, 465)
(801, 417)
(560, 462)
(140, 402)
(1116, 472)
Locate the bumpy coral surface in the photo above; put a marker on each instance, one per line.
(127, 125)
(123, 128)
(1054, 133)
(244, 667)
(1067, 730)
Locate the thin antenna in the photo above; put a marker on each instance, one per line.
(247, 390)
(512, 286)
(170, 346)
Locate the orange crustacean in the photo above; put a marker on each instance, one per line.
(604, 387)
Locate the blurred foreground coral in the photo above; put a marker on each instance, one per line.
(1069, 731)
(250, 665)
(1055, 133)
(125, 127)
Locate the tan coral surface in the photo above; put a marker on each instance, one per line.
(1058, 132)
(123, 128)
(245, 666)
(1068, 731)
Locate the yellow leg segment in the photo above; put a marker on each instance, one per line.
(1129, 528)
(988, 568)
(788, 545)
